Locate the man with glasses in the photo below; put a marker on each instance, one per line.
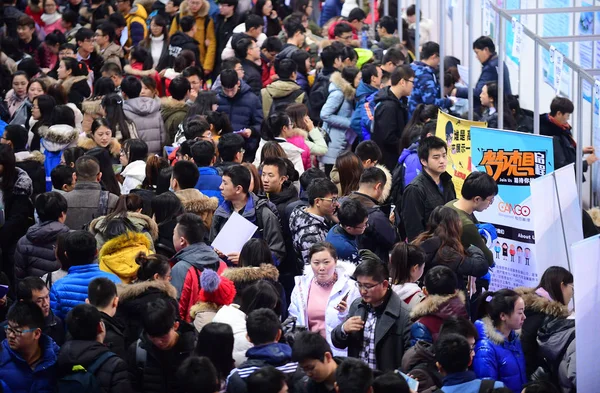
(28, 357)
(342, 32)
(353, 220)
(381, 347)
(310, 224)
(391, 115)
(477, 194)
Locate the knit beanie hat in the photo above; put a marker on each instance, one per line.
(216, 289)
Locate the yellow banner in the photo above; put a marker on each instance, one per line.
(457, 133)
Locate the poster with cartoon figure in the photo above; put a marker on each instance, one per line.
(513, 159)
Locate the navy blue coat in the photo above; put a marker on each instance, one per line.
(489, 73)
(330, 9)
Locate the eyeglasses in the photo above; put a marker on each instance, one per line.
(410, 80)
(366, 287)
(332, 200)
(98, 35)
(16, 332)
(346, 38)
(362, 226)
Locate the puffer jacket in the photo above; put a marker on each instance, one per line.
(209, 183)
(136, 25)
(21, 378)
(336, 115)
(389, 119)
(344, 286)
(111, 376)
(538, 312)
(489, 73)
(419, 362)
(180, 42)
(134, 175)
(331, 8)
(33, 164)
(499, 358)
(72, 289)
(18, 214)
(118, 255)
(197, 255)
(77, 89)
(426, 88)
(194, 201)
(293, 153)
(54, 141)
(363, 91)
(190, 293)
(345, 244)
(556, 341)
(430, 314)
(306, 230)
(410, 293)
(298, 140)
(173, 113)
(158, 373)
(145, 113)
(35, 255)
(133, 299)
(236, 318)
(409, 158)
(87, 143)
(142, 222)
(279, 89)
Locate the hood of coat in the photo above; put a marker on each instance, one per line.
(59, 135)
(265, 271)
(112, 49)
(412, 149)
(142, 106)
(180, 39)
(421, 352)
(554, 337)
(87, 143)
(486, 329)
(337, 81)
(542, 305)
(141, 221)
(198, 255)
(201, 307)
(122, 242)
(46, 232)
(92, 106)
(387, 95)
(407, 290)
(387, 189)
(68, 83)
(77, 352)
(364, 90)
(136, 169)
(169, 106)
(132, 291)
(273, 354)
(23, 185)
(195, 201)
(442, 306)
(298, 132)
(282, 88)
(137, 10)
(204, 8)
(30, 156)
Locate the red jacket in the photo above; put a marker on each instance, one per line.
(191, 290)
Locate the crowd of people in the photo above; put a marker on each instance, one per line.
(132, 131)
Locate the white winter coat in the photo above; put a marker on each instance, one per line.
(293, 153)
(236, 318)
(344, 285)
(134, 175)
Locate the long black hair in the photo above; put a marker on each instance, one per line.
(113, 106)
(273, 125)
(9, 169)
(46, 105)
(509, 120)
(109, 180)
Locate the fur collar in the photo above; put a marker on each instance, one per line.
(91, 106)
(202, 13)
(59, 133)
(542, 305)
(387, 189)
(146, 222)
(431, 304)
(129, 239)
(87, 143)
(134, 290)
(491, 332)
(249, 274)
(201, 307)
(195, 201)
(68, 83)
(342, 84)
(170, 103)
(298, 132)
(30, 156)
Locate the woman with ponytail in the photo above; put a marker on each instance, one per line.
(406, 265)
(489, 100)
(276, 128)
(498, 352)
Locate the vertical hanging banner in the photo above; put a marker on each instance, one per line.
(457, 133)
(517, 40)
(513, 159)
(487, 18)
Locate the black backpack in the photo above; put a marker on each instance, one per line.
(396, 196)
(318, 97)
(281, 103)
(83, 380)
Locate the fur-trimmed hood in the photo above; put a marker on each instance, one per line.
(203, 307)
(440, 305)
(196, 202)
(23, 184)
(204, 8)
(542, 305)
(491, 332)
(92, 106)
(30, 156)
(121, 242)
(250, 274)
(387, 189)
(131, 291)
(68, 83)
(87, 143)
(142, 221)
(298, 132)
(343, 85)
(58, 137)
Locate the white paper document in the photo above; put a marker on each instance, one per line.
(234, 234)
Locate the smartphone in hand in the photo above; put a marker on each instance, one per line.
(413, 384)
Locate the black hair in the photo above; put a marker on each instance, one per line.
(459, 325)
(273, 125)
(351, 213)
(131, 86)
(453, 353)
(310, 346)
(353, 376)
(356, 14)
(26, 314)
(299, 57)
(320, 188)
(262, 325)
(197, 375)
(280, 163)
(9, 174)
(80, 247)
(103, 86)
(322, 246)
(552, 279)
(372, 268)
(186, 173)
(179, 88)
(388, 23)
(390, 382)
(329, 55)
(113, 106)
(402, 72)
(254, 253)
(109, 30)
(187, 23)
(285, 69)
(135, 149)
(430, 143)
(203, 103)
(26, 286)
(55, 38)
(229, 64)
(163, 182)
(440, 280)
(368, 150)
(18, 135)
(159, 317)
(104, 159)
(239, 176)
(393, 55)
(50, 206)
(260, 294)
(272, 44)
(268, 379)
(242, 46)
(369, 71)
(254, 21)
(46, 105)
(117, 226)
(191, 227)
(99, 122)
(194, 127)
(484, 42)
(71, 17)
(310, 175)
(63, 114)
(220, 122)
(403, 257)
(373, 175)
(152, 264)
(501, 302)
(562, 105)
(479, 184)
(203, 153)
(111, 68)
(349, 74)
(229, 79)
(341, 28)
(509, 120)
(215, 341)
(293, 26)
(429, 49)
(101, 292)
(540, 386)
(117, 19)
(193, 70)
(71, 154)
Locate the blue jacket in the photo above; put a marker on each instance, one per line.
(345, 245)
(412, 165)
(363, 91)
(367, 120)
(499, 358)
(209, 182)
(72, 289)
(20, 378)
(302, 81)
(330, 9)
(489, 73)
(465, 382)
(426, 88)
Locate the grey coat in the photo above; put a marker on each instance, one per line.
(392, 333)
(83, 204)
(145, 114)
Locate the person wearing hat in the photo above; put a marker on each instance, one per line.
(217, 291)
